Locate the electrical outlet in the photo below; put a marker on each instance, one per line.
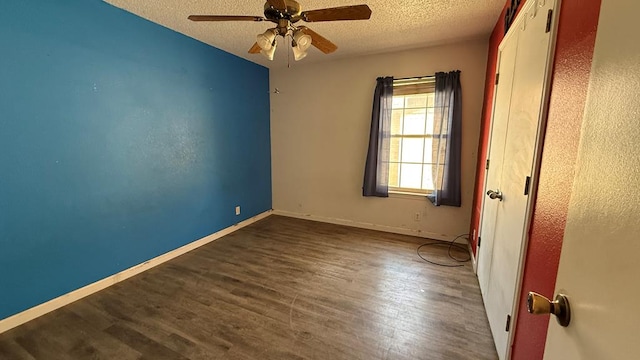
(416, 216)
(237, 210)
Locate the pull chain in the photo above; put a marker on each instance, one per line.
(288, 53)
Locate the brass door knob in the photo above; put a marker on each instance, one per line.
(540, 305)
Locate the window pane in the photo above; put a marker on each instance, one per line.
(428, 151)
(396, 122)
(415, 101)
(398, 102)
(394, 152)
(430, 118)
(394, 175)
(438, 176)
(440, 126)
(412, 150)
(414, 121)
(411, 176)
(427, 178)
(411, 157)
(431, 152)
(442, 151)
(431, 99)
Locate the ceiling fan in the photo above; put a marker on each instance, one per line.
(286, 13)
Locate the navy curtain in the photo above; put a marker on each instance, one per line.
(447, 140)
(376, 171)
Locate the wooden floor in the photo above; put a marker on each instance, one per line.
(279, 289)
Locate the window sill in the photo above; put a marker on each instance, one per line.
(407, 195)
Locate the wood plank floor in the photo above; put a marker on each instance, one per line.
(281, 288)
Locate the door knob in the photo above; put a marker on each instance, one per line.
(540, 305)
(494, 194)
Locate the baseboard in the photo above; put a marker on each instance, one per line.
(51, 305)
(362, 225)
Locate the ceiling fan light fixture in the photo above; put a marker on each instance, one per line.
(302, 40)
(269, 53)
(267, 40)
(300, 44)
(298, 54)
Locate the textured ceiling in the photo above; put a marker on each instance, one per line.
(393, 25)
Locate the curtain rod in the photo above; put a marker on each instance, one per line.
(415, 81)
(429, 77)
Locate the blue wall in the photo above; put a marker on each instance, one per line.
(120, 140)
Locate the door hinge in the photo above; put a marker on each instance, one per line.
(497, 78)
(486, 166)
(508, 326)
(549, 19)
(479, 241)
(527, 185)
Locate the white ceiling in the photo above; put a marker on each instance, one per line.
(393, 25)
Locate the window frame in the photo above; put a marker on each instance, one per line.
(408, 87)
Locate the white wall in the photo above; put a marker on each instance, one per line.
(320, 122)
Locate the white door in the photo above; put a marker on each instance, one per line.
(523, 70)
(599, 264)
(506, 64)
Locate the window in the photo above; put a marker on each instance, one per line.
(415, 138)
(411, 156)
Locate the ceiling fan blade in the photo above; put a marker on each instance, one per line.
(355, 12)
(255, 49)
(224, 18)
(278, 4)
(319, 41)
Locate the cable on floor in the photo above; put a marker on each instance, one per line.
(450, 245)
